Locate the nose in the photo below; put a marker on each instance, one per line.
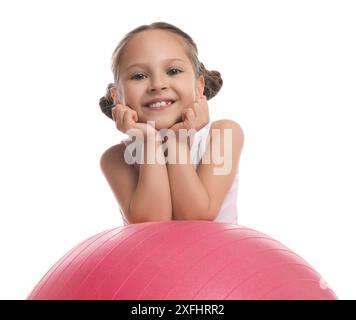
(158, 84)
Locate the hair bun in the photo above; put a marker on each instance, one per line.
(106, 102)
(213, 81)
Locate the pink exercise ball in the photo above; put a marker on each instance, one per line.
(181, 260)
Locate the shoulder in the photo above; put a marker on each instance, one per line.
(237, 132)
(112, 154)
(113, 149)
(226, 123)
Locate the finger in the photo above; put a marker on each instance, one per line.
(192, 111)
(128, 120)
(121, 122)
(116, 105)
(184, 114)
(196, 107)
(115, 110)
(188, 115)
(120, 115)
(113, 113)
(202, 99)
(202, 108)
(135, 116)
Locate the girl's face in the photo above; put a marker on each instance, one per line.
(155, 65)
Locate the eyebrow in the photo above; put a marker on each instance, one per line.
(143, 64)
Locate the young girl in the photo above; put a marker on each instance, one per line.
(160, 86)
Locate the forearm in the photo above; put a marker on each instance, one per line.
(152, 198)
(190, 200)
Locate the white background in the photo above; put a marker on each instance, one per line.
(289, 72)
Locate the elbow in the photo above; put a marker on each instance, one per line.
(143, 213)
(208, 216)
(148, 219)
(141, 217)
(208, 213)
(196, 213)
(195, 216)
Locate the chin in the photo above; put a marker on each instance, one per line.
(164, 123)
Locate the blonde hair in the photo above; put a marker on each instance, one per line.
(213, 80)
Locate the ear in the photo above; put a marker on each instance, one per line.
(200, 86)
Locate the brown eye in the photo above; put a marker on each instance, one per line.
(137, 76)
(175, 69)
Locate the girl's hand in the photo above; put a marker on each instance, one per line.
(194, 117)
(126, 121)
(124, 117)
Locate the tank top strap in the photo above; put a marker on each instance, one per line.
(198, 146)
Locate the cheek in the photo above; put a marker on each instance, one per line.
(133, 94)
(188, 99)
(132, 89)
(187, 93)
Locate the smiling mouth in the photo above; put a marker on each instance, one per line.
(159, 106)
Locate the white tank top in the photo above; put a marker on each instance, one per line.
(228, 210)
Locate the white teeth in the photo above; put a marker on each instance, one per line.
(159, 104)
